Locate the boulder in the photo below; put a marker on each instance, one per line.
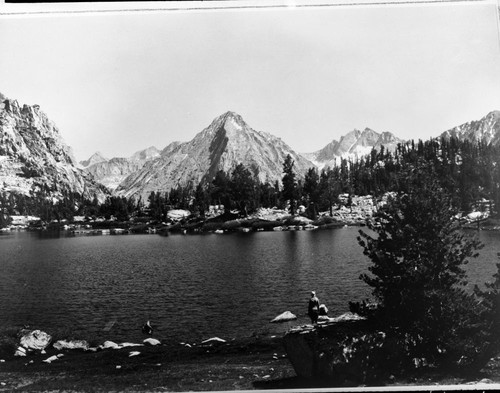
(124, 345)
(178, 214)
(151, 341)
(72, 344)
(35, 339)
(113, 345)
(348, 316)
(20, 351)
(50, 359)
(345, 349)
(284, 317)
(213, 340)
(110, 344)
(474, 216)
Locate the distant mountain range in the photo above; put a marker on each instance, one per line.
(112, 172)
(487, 129)
(353, 145)
(33, 156)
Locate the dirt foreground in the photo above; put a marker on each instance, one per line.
(212, 366)
(253, 363)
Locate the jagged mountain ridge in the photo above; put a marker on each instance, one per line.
(112, 172)
(354, 144)
(225, 143)
(33, 156)
(487, 129)
(35, 159)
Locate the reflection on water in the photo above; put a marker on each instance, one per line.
(191, 287)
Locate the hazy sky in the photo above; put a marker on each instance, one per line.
(120, 82)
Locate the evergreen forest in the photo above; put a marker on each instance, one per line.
(468, 170)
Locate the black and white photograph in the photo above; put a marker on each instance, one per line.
(235, 196)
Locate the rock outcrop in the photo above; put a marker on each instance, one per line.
(225, 143)
(35, 160)
(344, 349)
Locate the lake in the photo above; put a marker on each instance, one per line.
(192, 287)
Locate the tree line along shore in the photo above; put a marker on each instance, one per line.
(468, 170)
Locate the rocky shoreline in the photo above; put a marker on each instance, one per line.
(257, 362)
(211, 365)
(349, 212)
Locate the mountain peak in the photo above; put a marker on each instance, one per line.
(494, 115)
(146, 154)
(231, 114)
(354, 144)
(233, 118)
(227, 123)
(95, 158)
(225, 143)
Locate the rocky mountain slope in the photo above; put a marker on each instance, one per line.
(487, 129)
(112, 172)
(353, 145)
(34, 157)
(225, 143)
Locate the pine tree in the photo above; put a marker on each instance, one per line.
(289, 183)
(221, 190)
(311, 191)
(418, 255)
(201, 202)
(242, 189)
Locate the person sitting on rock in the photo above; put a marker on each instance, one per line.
(313, 309)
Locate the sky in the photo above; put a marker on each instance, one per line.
(118, 82)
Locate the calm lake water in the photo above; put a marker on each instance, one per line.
(190, 287)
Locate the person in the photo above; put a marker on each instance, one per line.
(313, 309)
(147, 328)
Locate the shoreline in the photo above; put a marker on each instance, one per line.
(241, 364)
(263, 220)
(235, 365)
